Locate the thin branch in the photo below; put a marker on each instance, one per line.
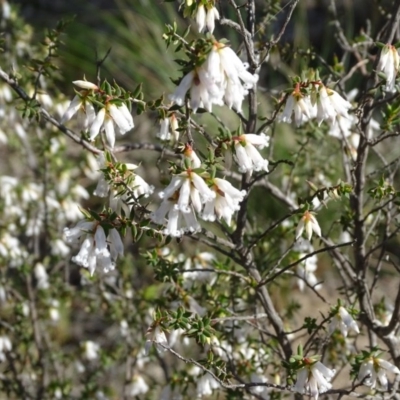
(46, 116)
(284, 269)
(144, 146)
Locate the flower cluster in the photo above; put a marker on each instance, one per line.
(222, 77)
(97, 249)
(318, 102)
(206, 16)
(313, 378)
(246, 154)
(115, 114)
(373, 370)
(343, 321)
(168, 126)
(225, 203)
(189, 194)
(185, 195)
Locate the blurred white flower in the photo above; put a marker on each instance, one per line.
(199, 262)
(124, 328)
(91, 350)
(3, 295)
(313, 379)
(5, 347)
(389, 65)
(6, 9)
(96, 249)
(260, 391)
(163, 133)
(41, 276)
(137, 387)
(54, 312)
(59, 248)
(178, 222)
(343, 321)
(374, 371)
(155, 335)
(306, 272)
(206, 384)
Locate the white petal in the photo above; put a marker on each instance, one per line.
(97, 123)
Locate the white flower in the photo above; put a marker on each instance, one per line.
(225, 203)
(169, 208)
(3, 295)
(389, 65)
(223, 76)
(339, 105)
(5, 347)
(187, 192)
(374, 370)
(260, 391)
(168, 126)
(206, 18)
(163, 133)
(342, 128)
(201, 17)
(325, 111)
(110, 117)
(343, 321)
(246, 154)
(212, 15)
(157, 336)
(305, 271)
(90, 350)
(206, 384)
(80, 103)
(136, 387)
(310, 224)
(300, 105)
(199, 262)
(313, 379)
(86, 111)
(54, 312)
(102, 187)
(6, 9)
(180, 92)
(41, 276)
(96, 249)
(189, 153)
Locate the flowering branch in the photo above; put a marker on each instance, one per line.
(46, 116)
